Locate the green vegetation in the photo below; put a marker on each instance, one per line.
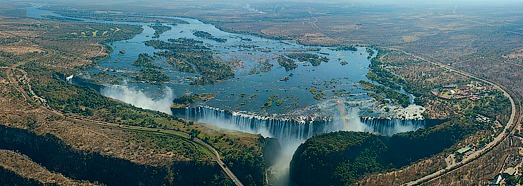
(314, 59)
(175, 143)
(344, 48)
(174, 22)
(159, 29)
(250, 98)
(179, 64)
(105, 78)
(370, 52)
(82, 30)
(187, 100)
(185, 41)
(174, 45)
(115, 16)
(145, 60)
(398, 70)
(317, 93)
(188, 55)
(512, 179)
(396, 97)
(56, 155)
(280, 102)
(207, 35)
(152, 76)
(58, 18)
(341, 158)
(338, 158)
(212, 70)
(263, 66)
(270, 101)
(240, 151)
(378, 98)
(287, 63)
(378, 73)
(68, 48)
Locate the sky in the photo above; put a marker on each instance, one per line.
(408, 2)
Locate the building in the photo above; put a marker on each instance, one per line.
(464, 150)
(450, 86)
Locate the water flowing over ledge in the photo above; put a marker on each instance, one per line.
(300, 128)
(290, 133)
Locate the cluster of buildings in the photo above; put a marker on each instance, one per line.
(482, 119)
(453, 91)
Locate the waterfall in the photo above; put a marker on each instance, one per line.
(392, 126)
(268, 127)
(292, 132)
(290, 129)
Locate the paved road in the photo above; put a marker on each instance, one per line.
(227, 171)
(220, 162)
(218, 159)
(477, 154)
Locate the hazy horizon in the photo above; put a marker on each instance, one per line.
(362, 2)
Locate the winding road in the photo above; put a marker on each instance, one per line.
(220, 162)
(218, 159)
(469, 159)
(479, 153)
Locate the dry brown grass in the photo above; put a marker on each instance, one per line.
(316, 38)
(21, 47)
(516, 54)
(410, 38)
(481, 171)
(80, 135)
(25, 167)
(83, 136)
(19, 33)
(405, 174)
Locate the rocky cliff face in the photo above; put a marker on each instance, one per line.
(271, 151)
(341, 158)
(57, 156)
(10, 178)
(338, 158)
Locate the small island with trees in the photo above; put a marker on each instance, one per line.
(159, 29)
(207, 35)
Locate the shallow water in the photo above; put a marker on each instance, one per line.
(310, 116)
(264, 84)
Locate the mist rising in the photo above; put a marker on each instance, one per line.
(139, 99)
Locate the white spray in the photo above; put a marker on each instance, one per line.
(138, 98)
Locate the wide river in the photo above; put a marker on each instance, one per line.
(250, 81)
(239, 102)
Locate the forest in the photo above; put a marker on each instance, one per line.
(381, 91)
(159, 29)
(342, 158)
(55, 115)
(151, 75)
(314, 59)
(207, 35)
(287, 63)
(145, 60)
